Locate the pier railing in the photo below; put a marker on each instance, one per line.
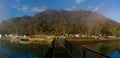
(82, 52)
(75, 51)
(49, 54)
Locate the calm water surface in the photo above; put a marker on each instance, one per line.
(111, 49)
(16, 50)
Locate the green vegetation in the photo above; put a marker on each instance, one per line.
(61, 22)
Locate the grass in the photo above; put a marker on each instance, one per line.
(90, 41)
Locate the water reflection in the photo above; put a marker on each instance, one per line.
(16, 50)
(111, 49)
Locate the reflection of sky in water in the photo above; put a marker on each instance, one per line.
(17, 50)
(116, 54)
(4, 53)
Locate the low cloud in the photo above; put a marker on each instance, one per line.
(96, 9)
(38, 9)
(70, 9)
(26, 8)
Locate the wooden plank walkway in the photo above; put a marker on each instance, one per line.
(59, 50)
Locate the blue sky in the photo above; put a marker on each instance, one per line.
(13, 8)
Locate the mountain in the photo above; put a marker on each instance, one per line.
(60, 22)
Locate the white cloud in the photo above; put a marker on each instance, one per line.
(25, 8)
(38, 9)
(98, 7)
(79, 1)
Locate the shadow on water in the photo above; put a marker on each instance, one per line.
(17, 50)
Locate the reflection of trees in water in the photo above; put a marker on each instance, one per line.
(105, 48)
(36, 49)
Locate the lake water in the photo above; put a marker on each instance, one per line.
(111, 49)
(16, 50)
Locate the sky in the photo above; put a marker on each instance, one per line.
(17, 8)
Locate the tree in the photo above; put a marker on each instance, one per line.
(104, 31)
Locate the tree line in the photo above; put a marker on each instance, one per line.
(62, 22)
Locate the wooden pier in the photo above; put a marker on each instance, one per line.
(60, 51)
(57, 50)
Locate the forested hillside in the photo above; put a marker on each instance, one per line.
(61, 22)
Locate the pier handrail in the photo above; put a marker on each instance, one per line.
(83, 52)
(49, 53)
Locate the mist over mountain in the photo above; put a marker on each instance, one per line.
(61, 22)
